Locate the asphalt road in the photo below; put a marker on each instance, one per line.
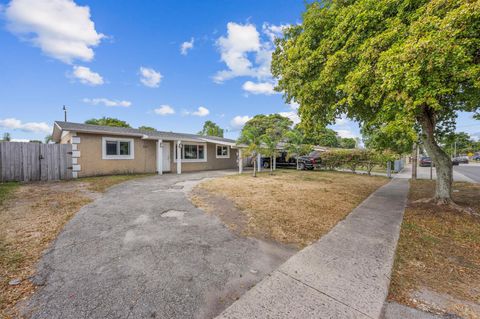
(470, 170)
(144, 251)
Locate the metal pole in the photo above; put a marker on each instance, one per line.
(65, 113)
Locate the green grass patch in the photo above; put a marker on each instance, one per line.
(6, 189)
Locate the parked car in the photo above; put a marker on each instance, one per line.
(461, 159)
(476, 157)
(309, 161)
(425, 162)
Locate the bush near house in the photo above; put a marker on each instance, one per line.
(353, 159)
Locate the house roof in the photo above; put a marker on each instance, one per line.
(59, 127)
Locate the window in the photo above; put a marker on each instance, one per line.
(117, 148)
(192, 153)
(223, 151)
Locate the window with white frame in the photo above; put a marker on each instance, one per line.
(223, 151)
(117, 148)
(192, 152)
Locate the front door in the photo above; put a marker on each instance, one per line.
(166, 157)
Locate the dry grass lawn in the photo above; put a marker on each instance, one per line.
(292, 207)
(31, 216)
(439, 251)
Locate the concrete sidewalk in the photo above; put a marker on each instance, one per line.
(424, 173)
(345, 274)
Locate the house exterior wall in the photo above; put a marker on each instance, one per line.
(212, 162)
(91, 161)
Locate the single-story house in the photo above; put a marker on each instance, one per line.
(102, 150)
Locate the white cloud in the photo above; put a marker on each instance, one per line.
(346, 134)
(239, 121)
(240, 40)
(20, 140)
(36, 127)
(343, 121)
(201, 111)
(87, 76)
(164, 110)
(60, 28)
(186, 46)
(265, 88)
(292, 115)
(273, 31)
(149, 77)
(107, 102)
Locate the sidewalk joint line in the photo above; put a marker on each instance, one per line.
(339, 301)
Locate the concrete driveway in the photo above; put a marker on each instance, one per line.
(144, 251)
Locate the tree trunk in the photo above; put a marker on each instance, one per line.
(297, 162)
(443, 191)
(254, 167)
(271, 165)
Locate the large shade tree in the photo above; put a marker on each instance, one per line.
(107, 121)
(211, 129)
(385, 63)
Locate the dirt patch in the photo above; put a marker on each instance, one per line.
(31, 217)
(437, 265)
(291, 207)
(223, 208)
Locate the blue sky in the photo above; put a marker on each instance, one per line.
(124, 59)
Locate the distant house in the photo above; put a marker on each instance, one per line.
(102, 150)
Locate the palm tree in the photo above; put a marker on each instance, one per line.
(252, 139)
(296, 144)
(270, 143)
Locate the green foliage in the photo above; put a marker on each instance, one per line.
(295, 144)
(107, 121)
(405, 64)
(272, 123)
(380, 61)
(251, 137)
(147, 128)
(348, 142)
(48, 138)
(211, 129)
(462, 142)
(353, 159)
(6, 137)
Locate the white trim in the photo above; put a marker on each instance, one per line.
(117, 157)
(76, 168)
(74, 160)
(75, 153)
(74, 147)
(222, 156)
(183, 160)
(75, 140)
(74, 174)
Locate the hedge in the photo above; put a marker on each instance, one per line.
(354, 158)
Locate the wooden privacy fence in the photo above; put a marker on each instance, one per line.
(35, 162)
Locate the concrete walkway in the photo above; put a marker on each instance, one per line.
(343, 275)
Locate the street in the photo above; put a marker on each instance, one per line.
(471, 171)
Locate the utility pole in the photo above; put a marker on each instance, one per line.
(65, 113)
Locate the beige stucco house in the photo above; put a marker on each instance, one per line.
(103, 150)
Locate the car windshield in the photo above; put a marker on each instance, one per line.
(426, 158)
(314, 154)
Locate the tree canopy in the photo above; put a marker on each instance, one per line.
(147, 128)
(272, 122)
(108, 121)
(211, 129)
(409, 65)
